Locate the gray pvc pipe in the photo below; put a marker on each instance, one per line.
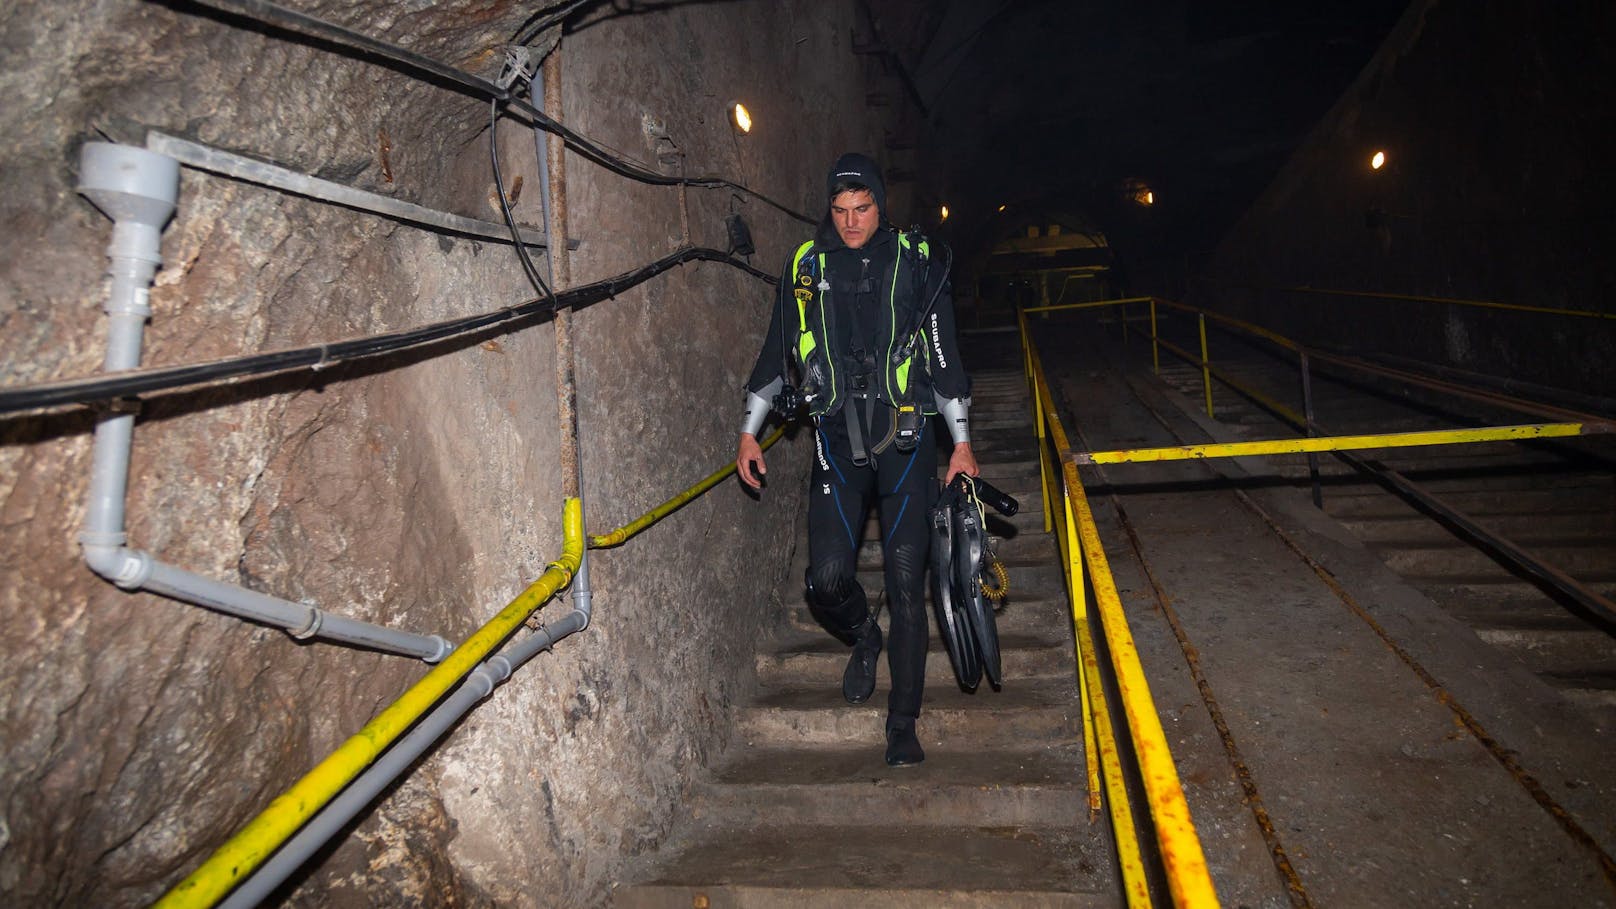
(341, 811)
(137, 189)
(223, 163)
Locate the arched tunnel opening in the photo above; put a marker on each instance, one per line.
(339, 337)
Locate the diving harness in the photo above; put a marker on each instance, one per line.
(910, 419)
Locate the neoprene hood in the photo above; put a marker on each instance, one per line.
(856, 168)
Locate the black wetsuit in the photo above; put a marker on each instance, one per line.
(900, 484)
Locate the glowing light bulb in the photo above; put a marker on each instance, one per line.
(945, 213)
(743, 117)
(1378, 161)
(1001, 208)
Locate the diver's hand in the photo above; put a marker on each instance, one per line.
(961, 461)
(749, 461)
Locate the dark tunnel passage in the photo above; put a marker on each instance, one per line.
(1288, 328)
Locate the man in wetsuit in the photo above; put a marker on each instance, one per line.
(867, 315)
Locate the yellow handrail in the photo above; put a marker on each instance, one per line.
(1089, 305)
(248, 849)
(1344, 443)
(1089, 676)
(1180, 845)
(622, 534)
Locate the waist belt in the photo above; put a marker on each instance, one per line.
(855, 433)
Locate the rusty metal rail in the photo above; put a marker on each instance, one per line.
(1177, 842)
(1574, 423)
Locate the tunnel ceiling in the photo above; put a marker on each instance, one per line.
(1059, 104)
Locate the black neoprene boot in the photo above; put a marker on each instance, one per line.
(858, 682)
(903, 747)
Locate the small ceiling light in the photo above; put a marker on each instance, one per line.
(741, 117)
(1001, 208)
(945, 213)
(1378, 161)
(1150, 197)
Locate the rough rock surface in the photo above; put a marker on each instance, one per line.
(420, 490)
(1489, 118)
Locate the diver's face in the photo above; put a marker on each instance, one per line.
(855, 216)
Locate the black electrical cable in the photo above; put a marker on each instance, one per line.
(540, 22)
(505, 206)
(322, 356)
(274, 16)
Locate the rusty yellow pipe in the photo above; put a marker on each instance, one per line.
(1130, 859)
(1072, 558)
(1232, 322)
(245, 851)
(1237, 385)
(1091, 305)
(1180, 845)
(622, 534)
(1345, 443)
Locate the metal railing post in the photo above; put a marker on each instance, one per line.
(1206, 367)
(1307, 414)
(1155, 346)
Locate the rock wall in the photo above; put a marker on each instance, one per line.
(1494, 119)
(420, 490)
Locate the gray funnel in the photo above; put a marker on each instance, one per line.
(129, 184)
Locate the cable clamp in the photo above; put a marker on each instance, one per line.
(325, 361)
(316, 619)
(521, 62)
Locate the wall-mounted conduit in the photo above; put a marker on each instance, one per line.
(98, 388)
(239, 167)
(137, 189)
(277, 824)
(363, 46)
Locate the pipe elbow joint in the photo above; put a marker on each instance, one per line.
(125, 567)
(444, 648)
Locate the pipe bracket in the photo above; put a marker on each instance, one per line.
(316, 619)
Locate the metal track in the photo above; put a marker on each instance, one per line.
(1518, 540)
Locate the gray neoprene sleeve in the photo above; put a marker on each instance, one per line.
(758, 406)
(957, 414)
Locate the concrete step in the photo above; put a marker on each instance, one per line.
(1506, 606)
(854, 787)
(1032, 711)
(888, 866)
(1043, 579)
(1529, 530)
(1026, 522)
(1036, 613)
(1544, 495)
(1016, 549)
(812, 657)
(1563, 653)
(1455, 559)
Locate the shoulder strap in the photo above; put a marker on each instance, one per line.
(914, 242)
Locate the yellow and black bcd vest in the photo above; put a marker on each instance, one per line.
(825, 372)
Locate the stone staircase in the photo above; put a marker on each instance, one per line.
(803, 812)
